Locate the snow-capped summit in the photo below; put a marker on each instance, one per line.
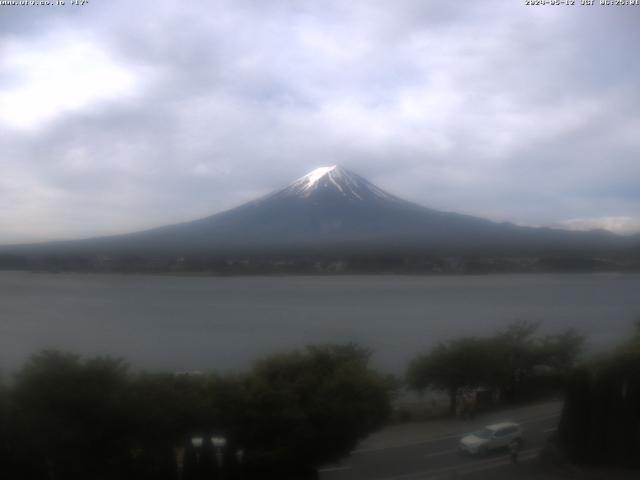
(311, 179)
(334, 181)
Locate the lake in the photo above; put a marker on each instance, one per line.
(225, 323)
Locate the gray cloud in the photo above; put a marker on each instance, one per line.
(514, 113)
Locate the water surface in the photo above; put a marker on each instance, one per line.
(203, 323)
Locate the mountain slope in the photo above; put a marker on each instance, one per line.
(334, 210)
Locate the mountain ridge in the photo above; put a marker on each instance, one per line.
(332, 209)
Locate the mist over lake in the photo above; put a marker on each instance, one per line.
(225, 323)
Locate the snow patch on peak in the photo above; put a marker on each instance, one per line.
(311, 178)
(341, 182)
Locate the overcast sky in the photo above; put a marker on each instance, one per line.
(122, 115)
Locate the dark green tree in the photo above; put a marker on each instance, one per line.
(68, 418)
(507, 361)
(167, 410)
(516, 353)
(309, 407)
(462, 363)
(601, 415)
(5, 454)
(631, 346)
(560, 352)
(70, 415)
(600, 423)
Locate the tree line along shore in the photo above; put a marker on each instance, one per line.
(63, 416)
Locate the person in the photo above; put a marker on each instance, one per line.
(514, 449)
(471, 404)
(468, 405)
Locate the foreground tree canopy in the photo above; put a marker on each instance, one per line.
(68, 418)
(513, 362)
(600, 422)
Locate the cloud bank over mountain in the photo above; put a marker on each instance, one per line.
(119, 116)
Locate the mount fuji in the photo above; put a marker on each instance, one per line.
(332, 210)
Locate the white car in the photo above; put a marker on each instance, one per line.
(491, 437)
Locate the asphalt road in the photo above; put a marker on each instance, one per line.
(439, 458)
